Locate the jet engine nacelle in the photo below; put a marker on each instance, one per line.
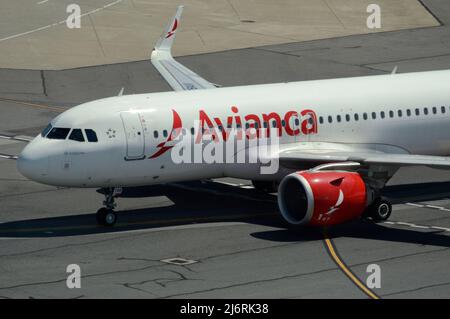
(322, 197)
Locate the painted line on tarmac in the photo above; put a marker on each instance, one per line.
(20, 138)
(333, 253)
(428, 206)
(59, 22)
(8, 156)
(56, 109)
(416, 226)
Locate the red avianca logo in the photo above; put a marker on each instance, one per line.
(174, 28)
(293, 123)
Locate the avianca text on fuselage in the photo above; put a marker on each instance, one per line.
(295, 123)
(292, 123)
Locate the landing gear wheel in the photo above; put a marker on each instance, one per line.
(380, 210)
(106, 217)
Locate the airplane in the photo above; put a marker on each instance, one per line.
(339, 140)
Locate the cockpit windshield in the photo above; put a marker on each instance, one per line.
(58, 133)
(46, 130)
(76, 134)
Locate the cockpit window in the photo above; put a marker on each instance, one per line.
(91, 135)
(46, 130)
(58, 133)
(76, 135)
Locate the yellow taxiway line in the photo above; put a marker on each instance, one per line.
(345, 269)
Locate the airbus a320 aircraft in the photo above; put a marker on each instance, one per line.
(340, 140)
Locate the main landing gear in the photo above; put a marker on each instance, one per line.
(379, 210)
(106, 215)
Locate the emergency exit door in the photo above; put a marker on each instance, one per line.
(134, 134)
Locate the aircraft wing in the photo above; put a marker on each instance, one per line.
(334, 153)
(177, 76)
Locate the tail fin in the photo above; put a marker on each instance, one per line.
(166, 40)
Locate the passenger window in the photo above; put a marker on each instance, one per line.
(321, 120)
(330, 119)
(408, 112)
(374, 115)
(76, 135)
(165, 133)
(297, 122)
(399, 113)
(46, 130)
(338, 118)
(425, 111)
(91, 135)
(356, 117)
(347, 117)
(247, 126)
(192, 131)
(442, 109)
(274, 124)
(382, 115)
(434, 110)
(391, 114)
(155, 134)
(417, 112)
(58, 133)
(365, 116)
(283, 123)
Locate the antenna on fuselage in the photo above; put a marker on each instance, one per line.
(394, 71)
(120, 92)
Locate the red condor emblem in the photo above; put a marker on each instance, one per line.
(174, 28)
(176, 130)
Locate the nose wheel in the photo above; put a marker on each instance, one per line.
(106, 215)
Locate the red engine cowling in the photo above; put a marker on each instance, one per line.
(321, 197)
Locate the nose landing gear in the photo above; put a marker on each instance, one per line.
(106, 215)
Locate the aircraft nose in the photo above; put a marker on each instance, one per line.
(32, 163)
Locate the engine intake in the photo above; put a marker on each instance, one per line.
(321, 197)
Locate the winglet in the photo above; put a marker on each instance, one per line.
(177, 75)
(166, 40)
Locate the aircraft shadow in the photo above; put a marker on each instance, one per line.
(194, 203)
(206, 202)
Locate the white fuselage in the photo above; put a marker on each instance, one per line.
(127, 143)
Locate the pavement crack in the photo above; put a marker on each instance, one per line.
(417, 289)
(44, 86)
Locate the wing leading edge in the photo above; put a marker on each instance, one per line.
(177, 76)
(333, 152)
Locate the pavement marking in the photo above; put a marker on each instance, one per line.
(416, 226)
(43, 1)
(440, 228)
(59, 22)
(415, 205)
(429, 206)
(8, 156)
(331, 249)
(40, 106)
(21, 138)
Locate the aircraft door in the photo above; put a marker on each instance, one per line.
(134, 133)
